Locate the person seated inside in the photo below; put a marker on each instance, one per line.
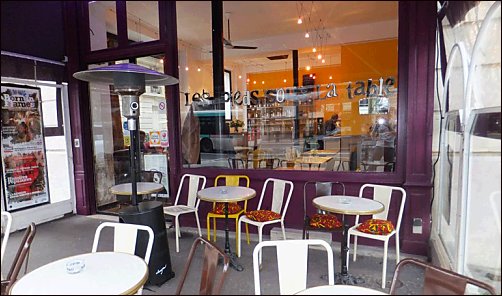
(333, 126)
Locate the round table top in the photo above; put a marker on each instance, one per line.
(142, 188)
(226, 193)
(340, 290)
(351, 205)
(105, 273)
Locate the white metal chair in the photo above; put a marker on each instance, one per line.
(124, 239)
(382, 194)
(6, 225)
(192, 205)
(278, 193)
(292, 264)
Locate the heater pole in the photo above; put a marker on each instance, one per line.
(131, 124)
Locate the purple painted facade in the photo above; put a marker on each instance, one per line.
(413, 170)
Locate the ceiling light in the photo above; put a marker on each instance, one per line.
(254, 82)
(308, 68)
(307, 35)
(263, 82)
(247, 80)
(314, 49)
(323, 61)
(300, 21)
(311, 75)
(198, 69)
(319, 56)
(240, 76)
(285, 80)
(330, 77)
(186, 68)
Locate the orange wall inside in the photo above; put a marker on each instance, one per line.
(359, 62)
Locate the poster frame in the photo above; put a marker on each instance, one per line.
(46, 193)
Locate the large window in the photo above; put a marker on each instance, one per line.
(111, 137)
(315, 94)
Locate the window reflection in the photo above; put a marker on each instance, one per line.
(342, 113)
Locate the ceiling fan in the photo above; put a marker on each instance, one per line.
(227, 43)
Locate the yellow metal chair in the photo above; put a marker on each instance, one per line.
(230, 180)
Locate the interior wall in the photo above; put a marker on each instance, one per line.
(359, 62)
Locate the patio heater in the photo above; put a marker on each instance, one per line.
(129, 81)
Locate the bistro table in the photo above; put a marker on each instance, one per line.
(347, 205)
(104, 273)
(227, 194)
(340, 290)
(143, 188)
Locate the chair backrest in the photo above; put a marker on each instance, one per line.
(151, 176)
(194, 185)
(437, 280)
(330, 164)
(278, 192)
(321, 189)
(144, 176)
(21, 255)
(231, 180)
(6, 225)
(124, 238)
(383, 194)
(209, 283)
(234, 162)
(292, 273)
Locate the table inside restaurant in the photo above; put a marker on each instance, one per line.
(340, 290)
(227, 194)
(325, 152)
(347, 205)
(310, 160)
(104, 273)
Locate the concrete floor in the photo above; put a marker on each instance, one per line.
(74, 235)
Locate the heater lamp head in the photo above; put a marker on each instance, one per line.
(114, 74)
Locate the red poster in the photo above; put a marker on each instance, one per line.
(24, 174)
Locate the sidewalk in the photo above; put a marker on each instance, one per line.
(74, 235)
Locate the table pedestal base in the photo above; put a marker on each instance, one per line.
(347, 279)
(233, 261)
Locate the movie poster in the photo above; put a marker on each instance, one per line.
(24, 174)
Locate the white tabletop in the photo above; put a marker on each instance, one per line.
(104, 273)
(142, 188)
(351, 205)
(340, 290)
(226, 193)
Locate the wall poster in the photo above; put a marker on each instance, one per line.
(24, 173)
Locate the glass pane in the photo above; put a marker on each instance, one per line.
(201, 143)
(112, 140)
(49, 105)
(482, 259)
(451, 180)
(103, 24)
(142, 21)
(342, 115)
